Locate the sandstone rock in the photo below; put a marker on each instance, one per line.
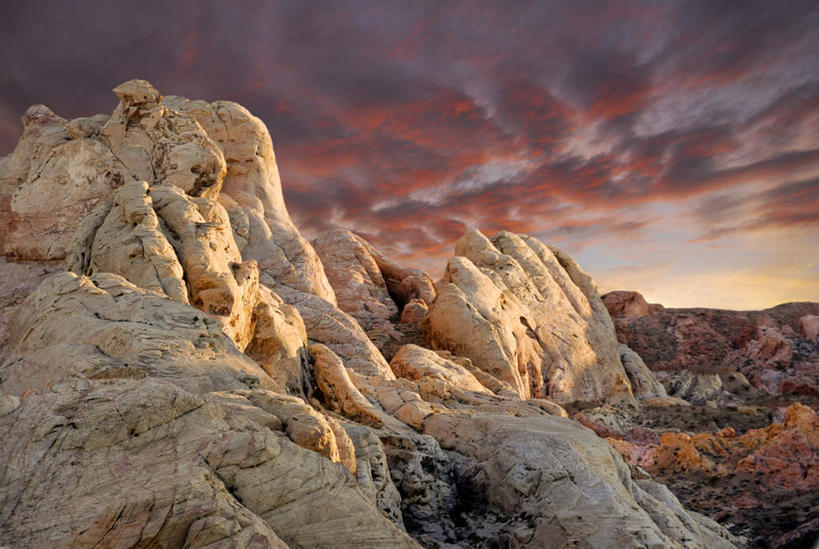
(528, 315)
(163, 240)
(47, 206)
(628, 304)
(809, 326)
(373, 472)
(86, 126)
(327, 324)
(279, 343)
(404, 284)
(359, 287)
(127, 240)
(415, 363)
(136, 420)
(143, 462)
(17, 281)
(253, 197)
(414, 311)
(42, 132)
(49, 183)
(338, 390)
(305, 426)
(161, 145)
(736, 383)
(643, 383)
(784, 454)
(104, 327)
(532, 466)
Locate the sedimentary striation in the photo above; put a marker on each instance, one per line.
(180, 367)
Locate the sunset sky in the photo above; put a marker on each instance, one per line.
(671, 147)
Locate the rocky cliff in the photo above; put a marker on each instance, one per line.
(181, 368)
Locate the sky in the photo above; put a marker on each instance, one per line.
(671, 147)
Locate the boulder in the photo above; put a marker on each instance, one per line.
(629, 304)
(643, 382)
(416, 363)
(360, 289)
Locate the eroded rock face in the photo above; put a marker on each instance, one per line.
(146, 462)
(253, 197)
(387, 300)
(358, 284)
(157, 144)
(37, 221)
(770, 348)
(104, 327)
(528, 315)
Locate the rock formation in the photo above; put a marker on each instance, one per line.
(775, 349)
(370, 287)
(527, 314)
(181, 368)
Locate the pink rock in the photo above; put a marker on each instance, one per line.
(809, 326)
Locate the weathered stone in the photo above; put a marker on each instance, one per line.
(104, 327)
(360, 289)
(528, 315)
(325, 323)
(339, 392)
(252, 194)
(161, 145)
(643, 382)
(414, 311)
(143, 462)
(415, 363)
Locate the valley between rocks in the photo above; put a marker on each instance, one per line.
(180, 367)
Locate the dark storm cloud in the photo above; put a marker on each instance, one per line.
(409, 121)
